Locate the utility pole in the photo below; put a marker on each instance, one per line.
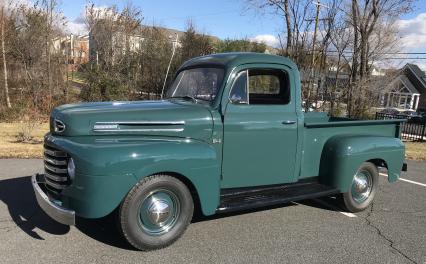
(170, 63)
(312, 72)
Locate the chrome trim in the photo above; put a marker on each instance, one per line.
(158, 211)
(53, 169)
(54, 153)
(237, 75)
(288, 122)
(107, 126)
(60, 214)
(56, 128)
(164, 123)
(141, 130)
(54, 184)
(55, 177)
(55, 162)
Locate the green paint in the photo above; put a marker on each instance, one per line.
(215, 145)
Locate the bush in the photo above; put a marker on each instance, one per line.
(27, 125)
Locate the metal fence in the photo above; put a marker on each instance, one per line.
(414, 129)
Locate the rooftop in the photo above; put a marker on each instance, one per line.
(233, 59)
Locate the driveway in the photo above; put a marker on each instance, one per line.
(311, 231)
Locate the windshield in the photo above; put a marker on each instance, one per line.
(197, 84)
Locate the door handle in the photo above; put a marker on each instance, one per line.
(288, 122)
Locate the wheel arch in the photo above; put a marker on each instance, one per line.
(342, 156)
(191, 187)
(379, 162)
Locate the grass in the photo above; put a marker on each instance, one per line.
(416, 150)
(77, 77)
(10, 148)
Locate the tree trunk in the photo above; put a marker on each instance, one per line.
(363, 55)
(289, 30)
(3, 51)
(50, 9)
(355, 56)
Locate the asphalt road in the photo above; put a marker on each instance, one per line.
(312, 231)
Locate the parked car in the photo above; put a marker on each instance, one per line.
(230, 135)
(410, 114)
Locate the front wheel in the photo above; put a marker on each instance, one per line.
(156, 212)
(363, 188)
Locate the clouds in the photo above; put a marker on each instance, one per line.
(268, 39)
(413, 32)
(76, 27)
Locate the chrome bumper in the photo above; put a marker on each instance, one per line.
(58, 213)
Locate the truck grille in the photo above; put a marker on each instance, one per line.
(55, 168)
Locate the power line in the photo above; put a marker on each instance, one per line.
(417, 58)
(394, 58)
(378, 53)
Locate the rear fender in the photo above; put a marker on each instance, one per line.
(342, 156)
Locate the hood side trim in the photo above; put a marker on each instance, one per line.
(147, 123)
(114, 126)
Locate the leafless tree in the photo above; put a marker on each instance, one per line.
(367, 16)
(3, 49)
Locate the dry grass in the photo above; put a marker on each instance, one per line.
(416, 150)
(11, 148)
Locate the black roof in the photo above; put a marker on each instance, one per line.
(416, 76)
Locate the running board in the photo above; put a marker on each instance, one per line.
(238, 199)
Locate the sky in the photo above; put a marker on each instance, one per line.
(229, 19)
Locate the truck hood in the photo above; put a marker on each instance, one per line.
(151, 118)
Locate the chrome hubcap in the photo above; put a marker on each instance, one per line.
(361, 186)
(159, 212)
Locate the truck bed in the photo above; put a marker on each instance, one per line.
(319, 127)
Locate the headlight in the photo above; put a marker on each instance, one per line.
(71, 169)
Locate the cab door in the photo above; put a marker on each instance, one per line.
(260, 129)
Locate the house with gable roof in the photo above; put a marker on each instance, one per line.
(407, 90)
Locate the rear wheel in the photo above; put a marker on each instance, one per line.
(363, 188)
(156, 212)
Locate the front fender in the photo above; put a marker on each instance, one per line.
(107, 168)
(342, 156)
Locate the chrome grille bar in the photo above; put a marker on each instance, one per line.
(55, 153)
(55, 185)
(56, 178)
(53, 161)
(55, 168)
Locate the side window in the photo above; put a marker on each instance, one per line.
(238, 93)
(268, 86)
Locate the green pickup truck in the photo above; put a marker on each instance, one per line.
(229, 135)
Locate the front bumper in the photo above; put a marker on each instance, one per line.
(58, 213)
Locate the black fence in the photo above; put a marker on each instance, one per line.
(414, 129)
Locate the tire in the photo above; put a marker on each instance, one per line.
(363, 188)
(156, 212)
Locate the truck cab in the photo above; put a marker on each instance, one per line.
(230, 134)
